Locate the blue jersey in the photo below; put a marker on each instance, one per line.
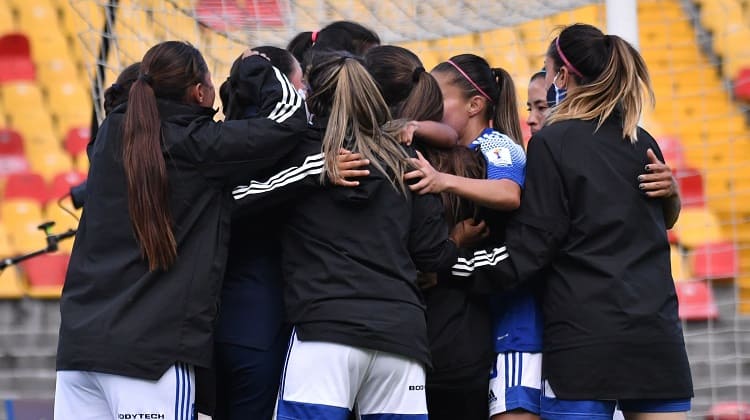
(517, 318)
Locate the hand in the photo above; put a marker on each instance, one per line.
(469, 232)
(350, 166)
(658, 181)
(426, 280)
(430, 180)
(406, 137)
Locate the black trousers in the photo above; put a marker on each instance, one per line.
(459, 404)
(247, 379)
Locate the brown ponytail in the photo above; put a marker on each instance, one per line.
(506, 118)
(167, 70)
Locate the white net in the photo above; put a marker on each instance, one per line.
(694, 49)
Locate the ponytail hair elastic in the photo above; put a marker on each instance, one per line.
(146, 78)
(417, 72)
(314, 36)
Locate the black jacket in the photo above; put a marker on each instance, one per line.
(599, 245)
(350, 258)
(117, 316)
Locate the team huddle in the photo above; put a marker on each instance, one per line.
(362, 237)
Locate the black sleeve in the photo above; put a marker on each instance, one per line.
(429, 246)
(533, 235)
(299, 173)
(234, 149)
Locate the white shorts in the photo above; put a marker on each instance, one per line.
(84, 395)
(323, 380)
(516, 382)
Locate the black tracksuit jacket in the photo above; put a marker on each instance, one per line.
(350, 256)
(117, 316)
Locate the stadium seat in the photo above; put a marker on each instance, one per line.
(26, 186)
(82, 162)
(15, 59)
(696, 301)
(21, 97)
(51, 163)
(56, 71)
(673, 151)
(62, 183)
(46, 274)
(21, 219)
(6, 247)
(742, 85)
(697, 226)
(690, 183)
(680, 269)
(11, 143)
(729, 410)
(716, 260)
(7, 21)
(12, 285)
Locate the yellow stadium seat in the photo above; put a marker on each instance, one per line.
(6, 247)
(65, 97)
(52, 49)
(21, 219)
(50, 163)
(36, 16)
(680, 266)
(12, 285)
(697, 226)
(7, 23)
(37, 130)
(21, 96)
(82, 162)
(57, 70)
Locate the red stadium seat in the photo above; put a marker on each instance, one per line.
(674, 153)
(15, 58)
(690, 183)
(62, 183)
(77, 139)
(222, 15)
(729, 410)
(12, 157)
(742, 85)
(46, 274)
(716, 260)
(26, 185)
(696, 301)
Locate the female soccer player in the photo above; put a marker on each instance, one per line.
(590, 229)
(480, 102)
(141, 292)
(536, 101)
(350, 260)
(341, 35)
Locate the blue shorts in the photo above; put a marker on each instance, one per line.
(515, 382)
(557, 409)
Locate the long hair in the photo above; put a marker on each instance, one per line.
(358, 119)
(118, 93)
(612, 74)
(228, 93)
(495, 86)
(414, 94)
(167, 71)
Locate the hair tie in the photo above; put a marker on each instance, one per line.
(417, 72)
(314, 36)
(116, 87)
(565, 60)
(146, 78)
(466, 76)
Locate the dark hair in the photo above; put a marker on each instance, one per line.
(538, 75)
(167, 71)
(495, 84)
(279, 57)
(609, 72)
(341, 35)
(414, 94)
(407, 88)
(118, 92)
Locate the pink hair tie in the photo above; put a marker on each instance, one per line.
(314, 36)
(565, 60)
(466, 76)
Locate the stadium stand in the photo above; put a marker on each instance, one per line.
(47, 50)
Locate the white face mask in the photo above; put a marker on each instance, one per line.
(555, 95)
(302, 92)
